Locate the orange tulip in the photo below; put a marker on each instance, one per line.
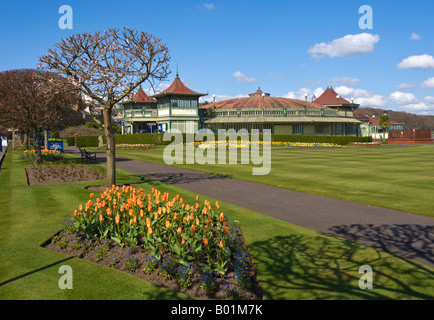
(187, 207)
(149, 230)
(135, 219)
(101, 217)
(175, 215)
(222, 217)
(80, 207)
(148, 222)
(141, 213)
(205, 241)
(197, 205)
(183, 241)
(197, 198)
(75, 213)
(108, 211)
(221, 244)
(117, 218)
(206, 228)
(167, 223)
(197, 221)
(91, 195)
(156, 215)
(131, 212)
(149, 207)
(208, 220)
(217, 205)
(193, 228)
(179, 231)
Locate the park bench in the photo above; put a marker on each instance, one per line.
(88, 156)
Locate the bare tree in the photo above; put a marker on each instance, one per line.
(107, 67)
(31, 102)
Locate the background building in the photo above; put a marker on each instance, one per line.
(177, 107)
(280, 115)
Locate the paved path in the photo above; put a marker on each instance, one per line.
(404, 234)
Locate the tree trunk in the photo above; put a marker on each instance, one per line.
(46, 139)
(38, 155)
(111, 163)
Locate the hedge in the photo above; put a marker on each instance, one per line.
(342, 140)
(70, 141)
(86, 141)
(157, 139)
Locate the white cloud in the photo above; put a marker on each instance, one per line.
(221, 97)
(349, 44)
(415, 107)
(402, 97)
(406, 86)
(424, 61)
(208, 6)
(428, 83)
(301, 92)
(346, 81)
(241, 77)
(362, 97)
(429, 99)
(414, 36)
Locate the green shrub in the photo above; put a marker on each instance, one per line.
(86, 141)
(70, 141)
(342, 140)
(157, 139)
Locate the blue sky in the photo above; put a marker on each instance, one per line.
(230, 48)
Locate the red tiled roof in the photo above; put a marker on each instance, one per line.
(329, 97)
(262, 102)
(177, 87)
(141, 96)
(257, 92)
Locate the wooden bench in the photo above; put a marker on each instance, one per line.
(88, 156)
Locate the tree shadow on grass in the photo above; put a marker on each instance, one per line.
(408, 241)
(299, 267)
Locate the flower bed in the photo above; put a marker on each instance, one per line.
(47, 155)
(194, 249)
(61, 173)
(131, 147)
(247, 144)
(364, 144)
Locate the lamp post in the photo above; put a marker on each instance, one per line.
(305, 104)
(213, 100)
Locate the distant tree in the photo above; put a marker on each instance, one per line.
(106, 68)
(31, 103)
(384, 123)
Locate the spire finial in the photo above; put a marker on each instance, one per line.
(177, 74)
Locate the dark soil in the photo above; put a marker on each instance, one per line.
(61, 173)
(114, 258)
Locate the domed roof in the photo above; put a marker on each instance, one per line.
(263, 102)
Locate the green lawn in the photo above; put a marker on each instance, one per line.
(291, 262)
(400, 178)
